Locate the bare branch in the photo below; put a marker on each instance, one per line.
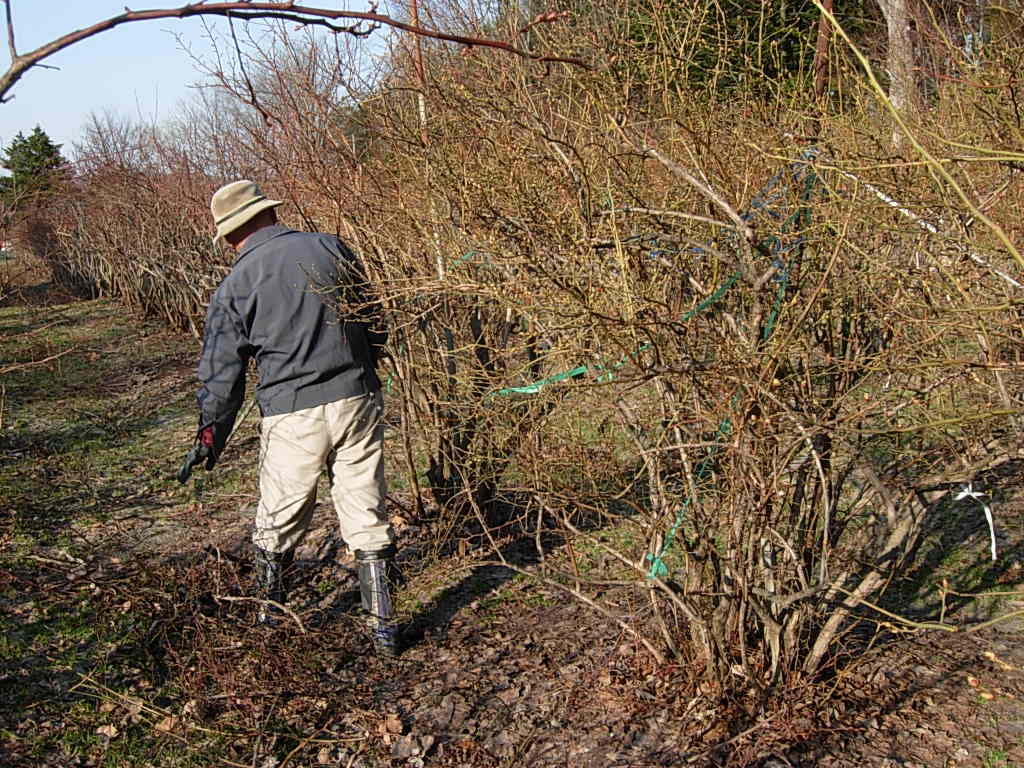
(261, 601)
(743, 228)
(33, 363)
(665, 213)
(250, 11)
(657, 655)
(10, 31)
(253, 100)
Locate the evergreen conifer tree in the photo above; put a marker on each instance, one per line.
(36, 165)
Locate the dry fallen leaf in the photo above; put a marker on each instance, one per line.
(167, 724)
(134, 708)
(110, 731)
(393, 724)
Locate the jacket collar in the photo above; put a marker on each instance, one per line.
(259, 237)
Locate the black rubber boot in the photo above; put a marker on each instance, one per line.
(376, 579)
(271, 572)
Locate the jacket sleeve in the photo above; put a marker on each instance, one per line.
(221, 372)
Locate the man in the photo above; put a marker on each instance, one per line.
(287, 303)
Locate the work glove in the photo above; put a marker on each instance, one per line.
(204, 450)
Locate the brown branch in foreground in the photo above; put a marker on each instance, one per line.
(657, 655)
(938, 625)
(249, 11)
(10, 31)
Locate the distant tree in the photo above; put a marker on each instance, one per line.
(37, 171)
(35, 163)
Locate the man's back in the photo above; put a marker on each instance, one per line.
(279, 305)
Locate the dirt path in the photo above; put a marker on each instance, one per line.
(128, 639)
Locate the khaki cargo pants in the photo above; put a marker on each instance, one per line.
(346, 437)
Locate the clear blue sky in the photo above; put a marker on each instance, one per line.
(134, 70)
(137, 70)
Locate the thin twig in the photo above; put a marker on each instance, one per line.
(263, 601)
(33, 363)
(305, 742)
(904, 621)
(10, 31)
(666, 214)
(253, 99)
(733, 740)
(658, 655)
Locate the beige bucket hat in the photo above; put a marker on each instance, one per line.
(234, 204)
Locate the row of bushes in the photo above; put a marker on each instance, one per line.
(605, 315)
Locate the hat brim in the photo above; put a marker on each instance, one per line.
(229, 225)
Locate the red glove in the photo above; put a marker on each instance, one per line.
(203, 450)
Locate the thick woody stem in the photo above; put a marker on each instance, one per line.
(821, 53)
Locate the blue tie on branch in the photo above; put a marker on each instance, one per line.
(801, 218)
(771, 193)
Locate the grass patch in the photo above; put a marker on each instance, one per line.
(99, 429)
(995, 758)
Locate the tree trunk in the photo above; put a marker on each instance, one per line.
(900, 60)
(821, 54)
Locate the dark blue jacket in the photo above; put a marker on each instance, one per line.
(279, 305)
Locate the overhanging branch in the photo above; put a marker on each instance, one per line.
(249, 11)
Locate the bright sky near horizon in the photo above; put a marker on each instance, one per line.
(137, 70)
